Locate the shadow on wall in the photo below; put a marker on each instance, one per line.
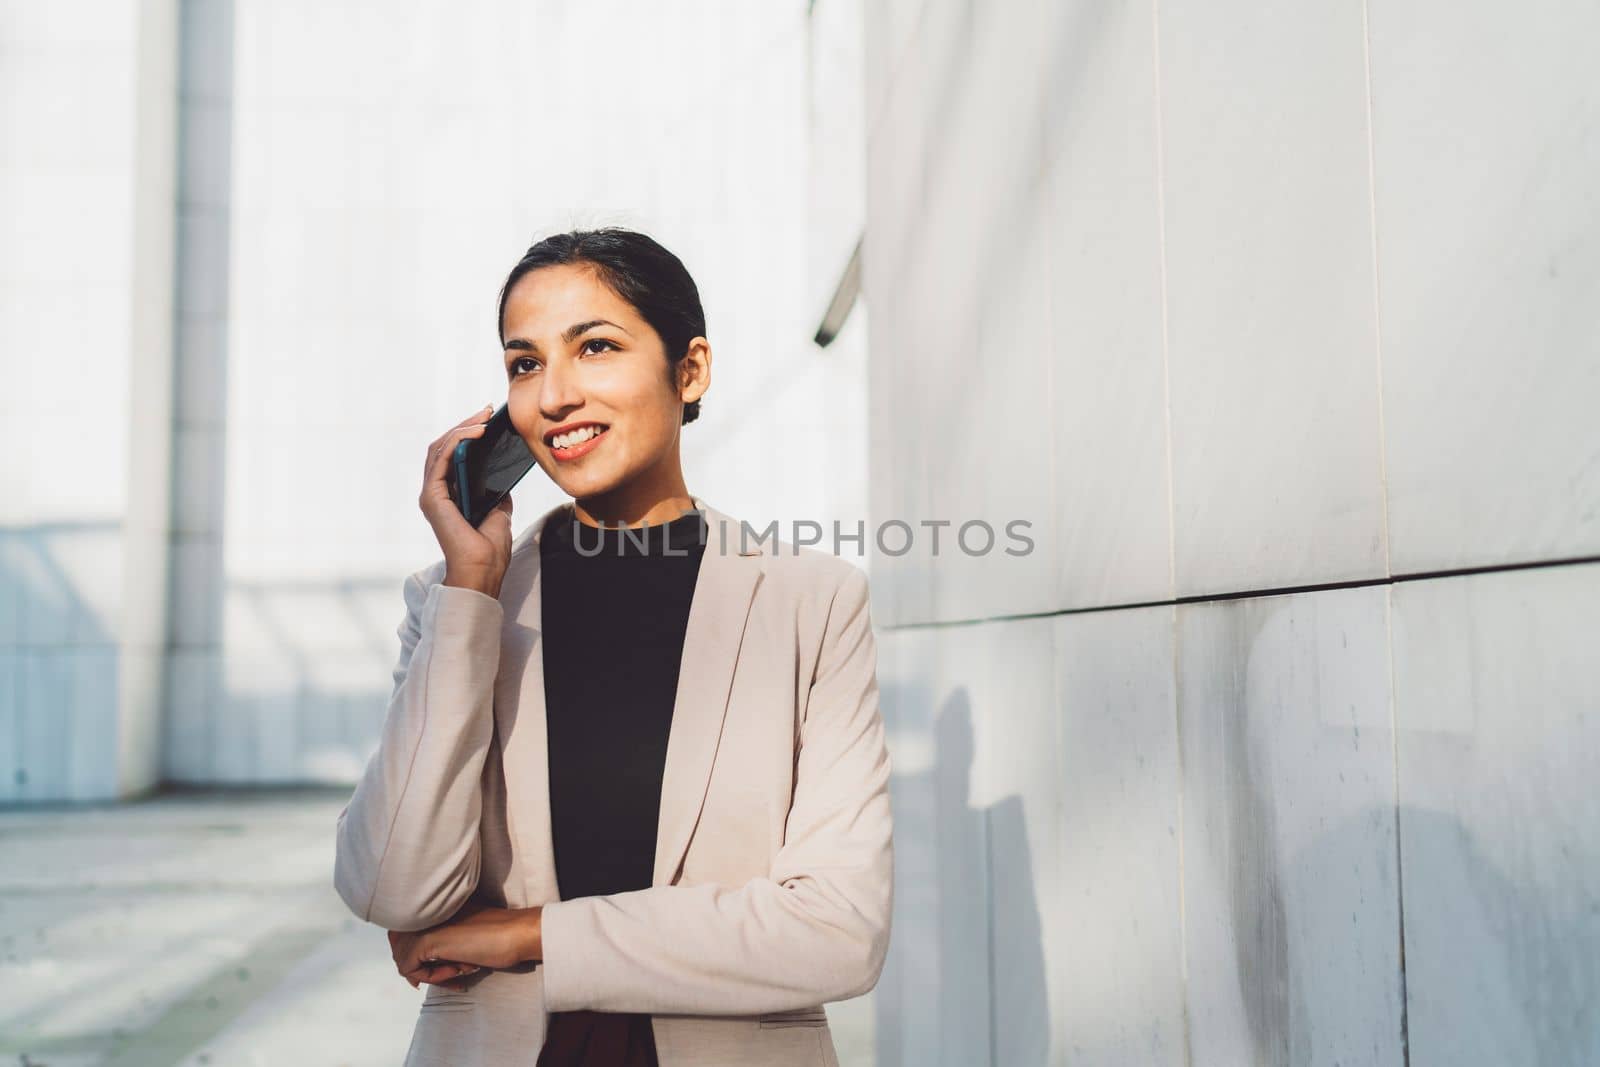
(297, 695)
(1498, 968)
(937, 995)
(58, 658)
(1294, 919)
(298, 691)
(1501, 967)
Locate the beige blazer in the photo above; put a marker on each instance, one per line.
(773, 866)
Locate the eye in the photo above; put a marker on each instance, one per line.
(517, 368)
(597, 341)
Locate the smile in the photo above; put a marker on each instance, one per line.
(577, 442)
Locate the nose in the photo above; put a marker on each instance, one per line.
(558, 392)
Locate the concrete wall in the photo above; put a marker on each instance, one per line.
(1263, 317)
(87, 161)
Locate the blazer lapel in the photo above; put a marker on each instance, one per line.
(718, 611)
(520, 720)
(724, 590)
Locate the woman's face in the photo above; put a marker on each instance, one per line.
(580, 358)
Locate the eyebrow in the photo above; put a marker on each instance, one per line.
(568, 335)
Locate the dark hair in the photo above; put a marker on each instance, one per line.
(639, 271)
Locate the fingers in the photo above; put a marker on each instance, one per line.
(426, 970)
(462, 976)
(442, 972)
(400, 946)
(438, 463)
(496, 525)
(480, 415)
(418, 956)
(445, 443)
(413, 951)
(417, 963)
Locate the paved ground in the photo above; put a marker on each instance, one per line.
(202, 928)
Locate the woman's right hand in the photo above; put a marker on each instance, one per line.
(475, 558)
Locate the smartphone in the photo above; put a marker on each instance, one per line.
(484, 468)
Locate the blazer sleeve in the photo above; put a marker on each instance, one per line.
(407, 842)
(816, 929)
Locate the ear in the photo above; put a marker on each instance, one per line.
(694, 371)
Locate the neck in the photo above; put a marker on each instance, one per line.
(636, 505)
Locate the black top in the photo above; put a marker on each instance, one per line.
(614, 606)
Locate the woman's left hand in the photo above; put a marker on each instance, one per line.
(476, 937)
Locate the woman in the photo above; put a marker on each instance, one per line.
(630, 804)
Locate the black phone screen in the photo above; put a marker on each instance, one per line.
(487, 466)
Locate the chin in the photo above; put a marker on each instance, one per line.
(581, 485)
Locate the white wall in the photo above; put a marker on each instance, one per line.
(1236, 304)
(86, 260)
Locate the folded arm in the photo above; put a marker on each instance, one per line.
(816, 929)
(408, 845)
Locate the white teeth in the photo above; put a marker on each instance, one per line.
(576, 437)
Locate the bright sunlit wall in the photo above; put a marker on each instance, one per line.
(347, 186)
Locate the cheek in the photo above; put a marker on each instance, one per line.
(524, 408)
(649, 404)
